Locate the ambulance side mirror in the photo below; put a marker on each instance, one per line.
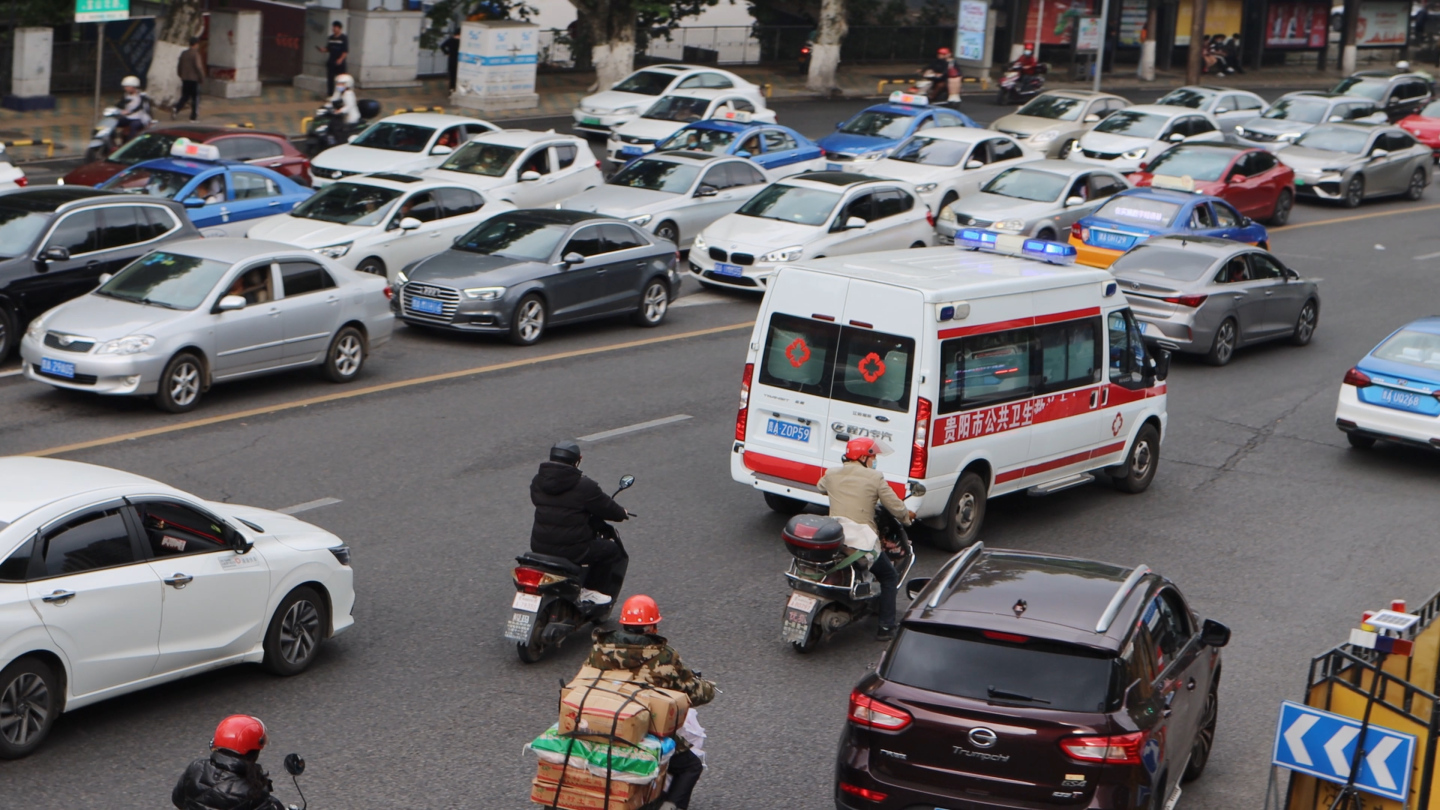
(1162, 364)
(1214, 634)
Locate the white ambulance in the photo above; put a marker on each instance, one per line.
(989, 369)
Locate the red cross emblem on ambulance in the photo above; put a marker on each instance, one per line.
(1116, 425)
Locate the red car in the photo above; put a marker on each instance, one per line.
(269, 149)
(1425, 126)
(1252, 180)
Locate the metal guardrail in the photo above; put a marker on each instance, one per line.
(403, 110)
(983, 81)
(45, 142)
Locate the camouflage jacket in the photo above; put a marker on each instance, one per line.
(650, 660)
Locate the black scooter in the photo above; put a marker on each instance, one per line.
(547, 607)
(328, 129)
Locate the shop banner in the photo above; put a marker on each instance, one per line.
(971, 37)
(1382, 25)
(1297, 25)
(1221, 17)
(1133, 16)
(1058, 25)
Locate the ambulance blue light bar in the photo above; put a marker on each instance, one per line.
(1011, 245)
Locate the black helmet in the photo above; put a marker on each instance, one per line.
(566, 451)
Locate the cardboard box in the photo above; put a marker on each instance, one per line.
(582, 779)
(583, 799)
(604, 709)
(667, 707)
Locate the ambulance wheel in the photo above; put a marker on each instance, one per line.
(964, 514)
(784, 505)
(1135, 475)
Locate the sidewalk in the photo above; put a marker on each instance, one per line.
(281, 108)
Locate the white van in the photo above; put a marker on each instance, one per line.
(989, 369)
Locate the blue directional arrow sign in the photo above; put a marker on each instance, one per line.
(1322, 745)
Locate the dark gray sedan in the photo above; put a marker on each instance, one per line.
(1211, 296)
(522, 271)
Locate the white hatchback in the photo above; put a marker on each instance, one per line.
(408, 142)
(600, 112)
(1135, 135)
(672, 112)
(950, 163)
(111, 583)
(529, 169)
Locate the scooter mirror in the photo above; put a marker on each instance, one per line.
(917, 489)
(627, 481)
(294, 764)
(915, 586)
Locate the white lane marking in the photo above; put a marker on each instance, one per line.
(14, 372)
(610, 434)
(1427, 256)
(701, 299)
(307, 506)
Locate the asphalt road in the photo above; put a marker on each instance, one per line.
(1260, 511)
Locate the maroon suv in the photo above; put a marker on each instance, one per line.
(1024, 680)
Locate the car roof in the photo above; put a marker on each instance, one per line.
(1067, 168)
(49, 198)
(1166, 110)
(730, 126)
(230, 249)
(841, 179)
(31, 483)
(1163, 194)
(397, 182)
(204, 132)
(962, 134)
(1194, 243)
(1324, 94)
(1085, 94)
(898, 109)
(683, 155)
(556, 216)
(949, 274)
(436, 120)
(189, 166)
(1218, 146)
(520, 137)
(1429, 324)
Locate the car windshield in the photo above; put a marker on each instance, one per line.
(930, 151)
(1058, 108)
(678, 108)
(1163, 262)
(805, 206)
(713, 141)
(646, 83)
(878, 124)
(1027, 184)
(1432, 110)
(19, 229)
(1185, 97)
(152, 182)
(657, 175)
(395, 137)
(167, 280)
(1139, 211)
(149, 146)
(1024, 671)
(1200, 164)
(485, 159)
(1365, 88)
(1299, 110)
(516, 237)
(1420, 349)
(1335, 139)
(1132, 123)
(347, 204)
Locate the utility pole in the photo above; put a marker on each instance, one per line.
(1104, 34)
(1349, 23)
(1197, 42)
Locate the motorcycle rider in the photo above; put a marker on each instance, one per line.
(945, 67)
(565, 503)
(230, 778)
(647, 657)
(344, 107)
(855, 487)
(134, 108)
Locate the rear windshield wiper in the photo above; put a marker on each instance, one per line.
(1004, 695)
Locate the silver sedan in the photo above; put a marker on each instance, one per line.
(202, 311)
(1353, 162)
(1208, 296)
(1040, 199)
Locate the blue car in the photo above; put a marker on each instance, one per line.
(1136, 214)
(781, 151)
(875, 131)
(221, 197)
(1393, 393)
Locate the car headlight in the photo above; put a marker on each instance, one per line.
(485, 293)
(1135, 154)
(1239, 129)
(626, 111)
(947, 214)
(60, 182)
(1289, 136)
(699, 243)
(640, 220)
(334, 251)
(876, 155)
(926, 188)
(788, 254)
(130, 344)
(1045, 137)
(1009, 225)
(402, 277)
(35, 331)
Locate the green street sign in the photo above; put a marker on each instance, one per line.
(88, 11)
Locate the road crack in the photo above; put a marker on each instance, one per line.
(1259, 436)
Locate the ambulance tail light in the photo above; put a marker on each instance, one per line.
(920, 449)
(742, 416)
(1358, 378)
(1192, 301)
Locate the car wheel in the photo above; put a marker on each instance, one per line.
(945, 201)
(372, 265)
(296, 630)
(1048, 234)
(527, 324)
(1204, 738)
(667, 231)
(1066, 149)
(1222, 349)
(1283, 203)
(346, 355)
(918, 245)
(1359, 442)
(1305, 324)
(29, 703)
(181, 384)
(1416, 189)
(654, 303)
(1138, 471)
(1354, 192)
(784, 505)
(9, 333)
(964, 514)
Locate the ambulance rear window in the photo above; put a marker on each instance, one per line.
(798, 354)
(847, 363)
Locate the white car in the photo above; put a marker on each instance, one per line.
(529, 169)
(408, 142)
(1135, 135)
(11, 176)
(381, 222)
(949, 163)
(675, 195)
(600, 112)
(111, 583)
(808, 216)
(1226, 105)
(672, 112)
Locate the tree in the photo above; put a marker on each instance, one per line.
(446, 16)
(613, 27)
(172, 36)
(825, 51)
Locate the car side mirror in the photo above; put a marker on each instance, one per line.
(1175, 137)
(104, 277)
(294, 764)
(1219, 110)
(1246, 222)
(839, 124)
(854, 222)
(410, 223)
(974, 164)
(1379, 153)
(573, 258)
(529, 176)
(915, 586)
(1334, 119)
(353, 138)
(1071, 202)
(745, 153)
(56, 253)
(706, 191)
(230, 302)
(442, 149)
(1092, 118)
(1214, 634)
(1162, 364)
(194, 202)
(626, 481)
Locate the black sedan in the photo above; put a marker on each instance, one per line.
(522, 271)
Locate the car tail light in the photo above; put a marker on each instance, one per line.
(865, 793)
(742, 416)
(389, 293)
(597, 164)
(1122, 749)
(1192, 301)
(929, 216)
(530, 580)
(998, 636)
(1078, 231)
(871, 713)
(1358, 378)
(22, 181)
(920, 447)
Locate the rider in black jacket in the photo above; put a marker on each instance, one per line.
(566, 504)
(230, 778)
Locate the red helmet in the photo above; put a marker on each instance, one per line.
(639, 611)
(240, 733)
(943, 52)
(857, 449)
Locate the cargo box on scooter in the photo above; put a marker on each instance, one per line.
(814, 538)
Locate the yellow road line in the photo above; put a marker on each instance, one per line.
(375, 389)
(1370, 215)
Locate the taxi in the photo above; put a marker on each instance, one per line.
(780, 151)
(1136, 214)
(221, 197)
(1393, 393)
(875, 131)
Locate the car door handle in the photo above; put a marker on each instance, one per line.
(1190, 685)
(58, 597)
(1269, 292)
(178, 581)
(92, 263)
(273, 203)
(1238, 296)
(332, 300)
(641, 264)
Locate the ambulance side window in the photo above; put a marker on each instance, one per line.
(987, 369)
(873, 369)
(798, 354)
(1127, 353)
(1069, 355)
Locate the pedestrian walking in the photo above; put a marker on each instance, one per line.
(451, 48)
(192, 71)
(336, 50)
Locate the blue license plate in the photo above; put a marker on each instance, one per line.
(632, 150)
(788, 430)
(1106, 239)
(429, 306)
(1404, 400)
(726, 269)
(59, 368)
(833, 167)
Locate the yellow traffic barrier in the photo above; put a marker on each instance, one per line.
(983, 81)
(402, 110)
(305, 123)
(244, 125)
(768, 89)
(45, 142)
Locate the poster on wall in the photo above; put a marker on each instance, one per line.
(1221, 17)
(1088, 38)
(1296, 25)
(970, 40)
(1382, 25)
(1133, 16)
(1058, 22)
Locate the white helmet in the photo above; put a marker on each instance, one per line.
(130, 81)
(345, 79)
(1402, 65)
